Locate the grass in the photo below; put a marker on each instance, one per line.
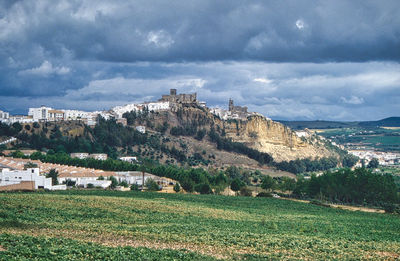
(206, 226)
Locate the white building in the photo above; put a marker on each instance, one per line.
(157, 106)
(4, 116)
(151, 106)
(141, 129)
(98, 156)
(128, 159)
(20, 119)
(39, 114)
(75, 115)
(14, 177)
(79, 155)
(137, 177)
(120, 110)
(55, 115)
(84, 182)
(223, 114)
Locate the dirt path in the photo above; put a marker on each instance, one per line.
(351, 208)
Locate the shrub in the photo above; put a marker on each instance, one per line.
(264, 195)
(177, 187)
(245, 191)
(236, 184)
(70, 183)
(151, 185)
(135, 187)
(187, 185)
(124, 184)
(203, 188)
(389, 207)
(319, 203)
(90, 186)
(114, 182)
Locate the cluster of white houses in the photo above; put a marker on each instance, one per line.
(14, 176)
(29, 179)
(167, 102)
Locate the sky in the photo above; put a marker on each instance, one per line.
(289, 59)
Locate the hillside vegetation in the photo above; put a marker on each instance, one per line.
(78, 225)
(190, 137)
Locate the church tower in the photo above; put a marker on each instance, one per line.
(231, 107)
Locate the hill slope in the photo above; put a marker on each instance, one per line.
(256, 132)
(297, 125)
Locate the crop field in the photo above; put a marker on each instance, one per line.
(111, 225)
(387, 139)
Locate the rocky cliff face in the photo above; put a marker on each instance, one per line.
(257, 132)
(276, 139)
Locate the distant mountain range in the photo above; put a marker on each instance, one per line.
(387, 122)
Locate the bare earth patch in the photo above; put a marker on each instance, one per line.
(352, 208)
(389, 255)
(2, 249)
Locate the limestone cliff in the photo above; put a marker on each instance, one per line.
(257, 132)
(276, 139)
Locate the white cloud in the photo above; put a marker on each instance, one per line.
(124, 89)
(262, 80)
(159, 39)
(46, 68)
(352, 100)
(300, 24)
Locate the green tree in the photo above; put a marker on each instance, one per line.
(114, 182)
(187, 184)
(17, 154)
(151, 185)
(236, 184)
(30, 165)
(177, 187)
(287, 184)
(135, 187)
(349, 160)
(53, 174)
(203, 188)
(373, 164)
(268, 183)
(124, 184)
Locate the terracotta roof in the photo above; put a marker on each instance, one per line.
(63, 170)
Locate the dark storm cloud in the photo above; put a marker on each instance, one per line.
(283, 31)
(286, 59)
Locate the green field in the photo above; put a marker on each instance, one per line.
(374, 138)
(82, 225)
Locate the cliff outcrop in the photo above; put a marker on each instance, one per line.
(276, 139)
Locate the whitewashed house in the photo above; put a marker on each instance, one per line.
(79, 155)
(130, 159)
(141, 129)
(14, 177)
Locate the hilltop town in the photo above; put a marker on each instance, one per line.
(172, 102)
